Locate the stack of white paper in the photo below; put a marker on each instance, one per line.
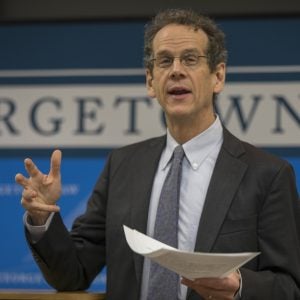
(187, 264)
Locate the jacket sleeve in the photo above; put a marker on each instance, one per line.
(71, 260)
(278, 273)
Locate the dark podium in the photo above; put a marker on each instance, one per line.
(49, 295)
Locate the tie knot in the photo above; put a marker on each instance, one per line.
(178, 153)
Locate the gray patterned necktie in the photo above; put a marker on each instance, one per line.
(163, 284)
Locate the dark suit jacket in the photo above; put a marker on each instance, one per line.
(250, 206)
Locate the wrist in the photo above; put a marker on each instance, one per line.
(37, 219)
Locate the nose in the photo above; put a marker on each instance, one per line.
(177, 69)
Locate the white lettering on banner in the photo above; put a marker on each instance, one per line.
(21, 278)
(35, 278)
(12, 189)
(112, 115)
(265, 114)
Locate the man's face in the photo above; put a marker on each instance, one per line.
(184, 92)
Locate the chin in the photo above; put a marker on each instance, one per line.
(179, 114)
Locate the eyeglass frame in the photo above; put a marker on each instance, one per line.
(181, 59)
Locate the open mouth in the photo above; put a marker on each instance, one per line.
(175, 91)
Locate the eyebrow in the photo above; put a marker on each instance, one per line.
(186, 51)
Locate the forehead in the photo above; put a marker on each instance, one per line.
(176, 38)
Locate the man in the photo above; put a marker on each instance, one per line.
(233, 197)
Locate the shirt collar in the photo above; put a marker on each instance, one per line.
(198, 148)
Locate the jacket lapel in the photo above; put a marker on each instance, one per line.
(227, 175)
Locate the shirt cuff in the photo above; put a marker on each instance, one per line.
(36, 232)
(238, 294)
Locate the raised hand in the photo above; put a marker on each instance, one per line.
(41, 191)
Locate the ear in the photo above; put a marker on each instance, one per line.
(220, 75)
(149, 84)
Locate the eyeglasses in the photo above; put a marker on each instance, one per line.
(188, 60)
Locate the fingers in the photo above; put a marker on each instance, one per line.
(30, 202)
(40, 191)
(34, 206)
(20, 179)
(28, 194)
(213, 288)
(55, 163)
(31, 168)
(205, 292)
(32, 171)
(38, 212)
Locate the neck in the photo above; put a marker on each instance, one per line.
(184, 130)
